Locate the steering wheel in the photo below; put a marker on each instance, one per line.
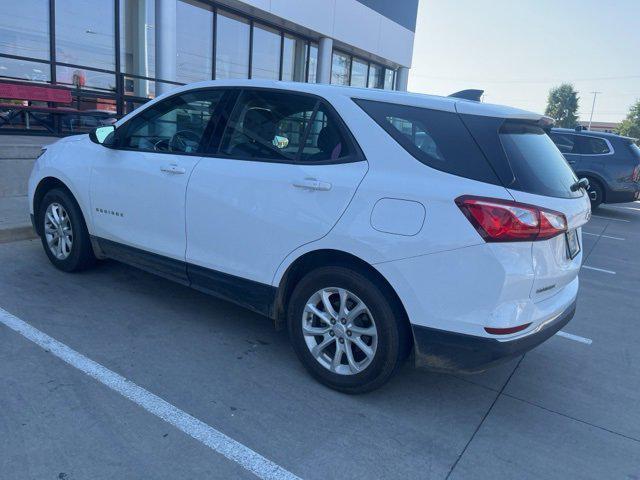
(184, 141)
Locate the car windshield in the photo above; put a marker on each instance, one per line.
(536, 162)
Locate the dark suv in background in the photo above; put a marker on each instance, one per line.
(610, 162)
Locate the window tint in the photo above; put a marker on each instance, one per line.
(436, 138)
(268, 125)
(176, 124)
(593, 145)
(537, 165)
(325, 141)
(565, 142)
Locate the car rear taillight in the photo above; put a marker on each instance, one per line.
(498, 220)
(635, 176)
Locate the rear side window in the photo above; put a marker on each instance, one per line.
(593, 146)
(565, 142)
(436, 138)
(537, 165)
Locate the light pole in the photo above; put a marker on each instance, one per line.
(593, 106)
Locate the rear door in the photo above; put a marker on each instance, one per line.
(569, 146)
(284, 170)
(543, 178)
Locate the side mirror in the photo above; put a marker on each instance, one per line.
(104, 136)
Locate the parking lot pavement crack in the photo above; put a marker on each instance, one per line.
(586, 257)
(572, 418)
(500, 393)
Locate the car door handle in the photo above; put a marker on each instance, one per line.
(173, 169)
(312, 184)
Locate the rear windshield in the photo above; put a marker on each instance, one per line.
(635, 150)
(436, 138)
(537, 165)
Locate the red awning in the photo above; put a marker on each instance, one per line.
(34, 93)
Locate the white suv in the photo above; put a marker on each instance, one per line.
(373, 224)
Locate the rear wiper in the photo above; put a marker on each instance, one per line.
(582, 183)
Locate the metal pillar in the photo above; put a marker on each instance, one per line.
(325, 53)
(402, 79)
(166, 44)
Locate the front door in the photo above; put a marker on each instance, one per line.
(138, 188)
(284, 172)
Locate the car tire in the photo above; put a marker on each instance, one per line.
(361, 370)
(59, 216)
(596, 193)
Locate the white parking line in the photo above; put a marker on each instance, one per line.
(603, 236)
(599, 269)
(611, 218)
(209, 436)
(576, 338)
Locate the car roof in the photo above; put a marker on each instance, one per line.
(435, 102)
(591, 133)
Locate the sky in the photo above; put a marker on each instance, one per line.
(516, 50)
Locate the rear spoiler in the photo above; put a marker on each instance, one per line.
(471, 94)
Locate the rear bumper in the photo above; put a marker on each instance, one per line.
(456, 352)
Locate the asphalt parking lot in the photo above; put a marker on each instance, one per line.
(568, 409)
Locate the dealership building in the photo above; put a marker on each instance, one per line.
(69, 65)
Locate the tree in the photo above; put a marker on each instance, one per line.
(562, 105)
(630, 127)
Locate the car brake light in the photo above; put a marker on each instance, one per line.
(498, 220)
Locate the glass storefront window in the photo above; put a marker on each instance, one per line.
(24, 29)
(359, 73)
(265, 61)
(232, 47)
(85, 33)
(313, 62)
(194, 43)
(24, 70)
(82, 78)
(137, 45)
(340, 66)
(389, 79)
(376, 77)
(294, 59)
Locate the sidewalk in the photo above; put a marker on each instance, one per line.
(15, 223)
(17, 154)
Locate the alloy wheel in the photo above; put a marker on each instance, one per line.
(58, 231)
(339, 331)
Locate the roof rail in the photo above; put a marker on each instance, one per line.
(470, 94)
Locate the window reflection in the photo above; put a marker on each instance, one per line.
(137, 45)
(265, 61)
(24, 29)
(313, 62)
(359, 73)
(194, 43)
(376, 76)
(340, 67)
(294, 59)
(85, 33)
(232, 48)
(24, 70)
(389, 79)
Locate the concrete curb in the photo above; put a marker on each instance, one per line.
(17, 233)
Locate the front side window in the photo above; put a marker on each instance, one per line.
(175, 125)
(565, 142)
(593, 146)
(267, 125)
(283, 127)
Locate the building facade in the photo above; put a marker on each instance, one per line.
(69, 65)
